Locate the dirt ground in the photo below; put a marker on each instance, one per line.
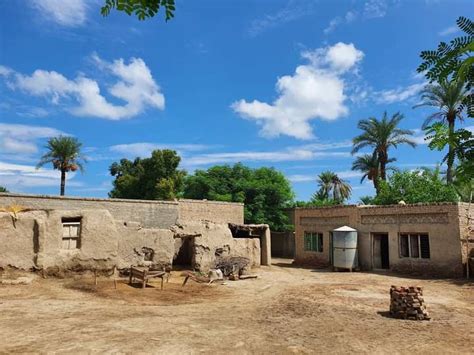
(285, 310)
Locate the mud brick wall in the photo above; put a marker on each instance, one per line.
(439, 221)
(466, 227)
(150, 214)
(215, 211)
(320, 220)
(444, 223)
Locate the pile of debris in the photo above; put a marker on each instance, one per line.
(408, 303)
(226, 267)
(233, 266)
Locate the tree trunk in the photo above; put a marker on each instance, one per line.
(450, 160)
(63, 182)
(383, 162)
(376, 184)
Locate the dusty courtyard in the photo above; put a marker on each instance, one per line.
(285, 310)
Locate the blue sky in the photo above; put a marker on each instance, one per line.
(269, 83)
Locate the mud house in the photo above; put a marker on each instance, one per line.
(434, 239)
(66, 233)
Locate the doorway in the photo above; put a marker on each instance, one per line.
(380, 251)
(184, 253)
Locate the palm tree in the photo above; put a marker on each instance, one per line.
(369, 165)
(3, 189)
(447, 97)
(381, 135)
(65, 155)
(331, 184)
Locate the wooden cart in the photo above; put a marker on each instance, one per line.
(144, 275)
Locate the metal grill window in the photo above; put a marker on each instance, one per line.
(414, 245)
(313, 241)
(425, 246)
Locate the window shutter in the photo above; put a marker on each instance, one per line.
(414, 246)
(404, 253)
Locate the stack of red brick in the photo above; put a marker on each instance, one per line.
(408, 303)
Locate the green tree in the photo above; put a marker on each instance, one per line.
(154, 178)
(65, 155)
(381, 135)
(264, 191)
(3, 189)
(143, 9)
(332, 188)
(369, 165)
(462, 142)
(367, 200)
(448, 98)
(414, 187)
(453, 61)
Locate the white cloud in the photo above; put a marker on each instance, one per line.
(290, 154)
(375, 8)
(144, 149)
(327, 146)
(68, 13)
(419, 137)
(399, 94)
(349, 17)
(292, 11)
(5, 71)
(135, 86)
(193, 154)
(17, 139)
(17, 176)
(449, 31)
(301, 178)
(343, 57)
(315, 90)
(347, 174)
(368, 10)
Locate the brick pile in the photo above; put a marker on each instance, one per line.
(408, 303)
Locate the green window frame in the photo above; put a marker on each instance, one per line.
(313, 241)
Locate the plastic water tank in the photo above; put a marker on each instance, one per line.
(344, 243)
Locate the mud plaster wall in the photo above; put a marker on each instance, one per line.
(441, 222)
(35, 241)
(218, 237)
(150, 214)
(323, 221)
(215, 211)
(19, 240)
(132, 238)
(466, 227)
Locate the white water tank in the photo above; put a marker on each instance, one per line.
(344, 244)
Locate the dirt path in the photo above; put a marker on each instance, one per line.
(285, 310)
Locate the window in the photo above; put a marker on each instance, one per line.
(313, 241)
(71, 233)
(414, 245)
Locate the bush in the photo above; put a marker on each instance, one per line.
(419, 186)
